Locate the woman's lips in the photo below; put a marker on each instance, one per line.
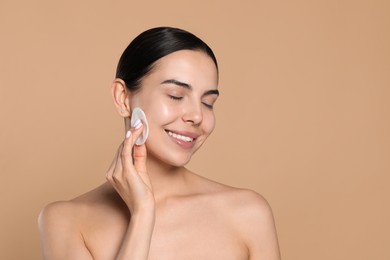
(185, 140)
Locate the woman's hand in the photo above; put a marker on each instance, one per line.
(128, 175)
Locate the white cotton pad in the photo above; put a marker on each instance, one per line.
(138, 113)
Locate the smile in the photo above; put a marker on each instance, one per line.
(180, 137)
(185, 140)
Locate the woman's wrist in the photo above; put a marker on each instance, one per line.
(145, 212)
(136, 243)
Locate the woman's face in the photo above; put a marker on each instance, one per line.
(177, 98)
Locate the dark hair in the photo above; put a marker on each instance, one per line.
(140, 56)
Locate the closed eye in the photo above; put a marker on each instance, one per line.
(208, 105)
(175, 97)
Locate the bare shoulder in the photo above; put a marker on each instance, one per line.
(249, 204)
(64, 212)
(250, 216)
(74, 212)
(61, 226)
(243, 200)
(59, 229)
(61, 214)
(244, 205)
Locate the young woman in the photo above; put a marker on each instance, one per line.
(151, 206)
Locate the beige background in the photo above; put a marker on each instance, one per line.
(304, 115)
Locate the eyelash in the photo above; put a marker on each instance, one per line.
(175, 97)
(208, 106)
(180, 98)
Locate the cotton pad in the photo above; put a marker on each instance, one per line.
(138, 113)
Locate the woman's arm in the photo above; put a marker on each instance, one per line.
(132, 183)
(60, 226)
(136, 243)
(258, 227)
(59, 234)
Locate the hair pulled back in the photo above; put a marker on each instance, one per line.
(140, 56)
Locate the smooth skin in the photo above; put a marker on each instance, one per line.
(151, 206)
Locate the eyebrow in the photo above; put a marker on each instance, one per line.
(189, 87)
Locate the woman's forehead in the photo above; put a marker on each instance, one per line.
(189, 66)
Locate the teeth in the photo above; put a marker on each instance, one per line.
(181, 137)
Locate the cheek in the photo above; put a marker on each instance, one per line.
(159, 112)
(209, 123)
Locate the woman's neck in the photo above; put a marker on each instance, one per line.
(166, 180)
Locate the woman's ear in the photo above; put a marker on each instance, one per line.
(120, 97)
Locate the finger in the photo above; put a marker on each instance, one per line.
(139, 151)
(117, 172)
(114, 160)
(137, 130)
(116, 164)
(127, 152)
(139, 155)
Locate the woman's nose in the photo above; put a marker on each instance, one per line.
(193, 114)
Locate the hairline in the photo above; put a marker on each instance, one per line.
(151, 68)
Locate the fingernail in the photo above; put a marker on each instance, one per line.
(136, 123)
(138, 126)
(128, 133)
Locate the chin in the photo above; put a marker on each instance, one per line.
(171, 158)
(177, 160)
(170, 153)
